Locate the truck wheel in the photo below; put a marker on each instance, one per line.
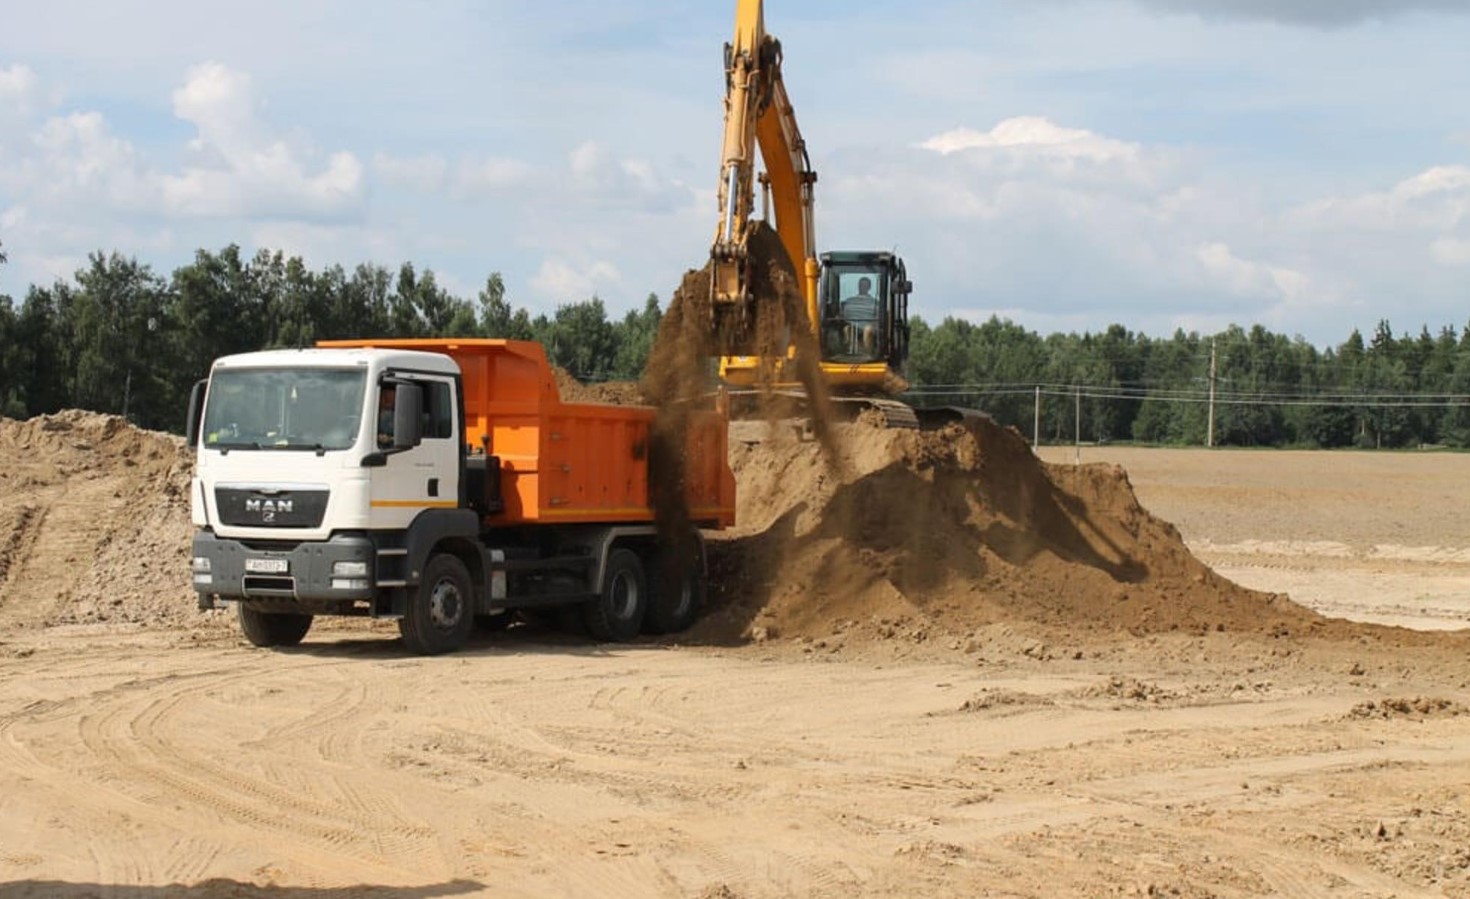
(617, 614)
(272, 628)
(441, 611)
(675, 595)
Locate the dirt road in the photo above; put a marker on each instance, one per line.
(152, 761)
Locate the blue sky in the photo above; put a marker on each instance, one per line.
(1302, 164)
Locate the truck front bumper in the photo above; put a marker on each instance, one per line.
(337, 570)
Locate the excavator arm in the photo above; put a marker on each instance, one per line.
(758, 113)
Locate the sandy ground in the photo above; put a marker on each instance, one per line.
(1380, 537)
(142, 761)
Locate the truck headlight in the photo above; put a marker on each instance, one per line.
(200, 564)
(349, 569)
(350, 583)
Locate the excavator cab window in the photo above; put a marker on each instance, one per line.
(855, 309)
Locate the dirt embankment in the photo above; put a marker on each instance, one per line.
(945, 534)
(94, 523)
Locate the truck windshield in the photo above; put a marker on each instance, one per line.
(284, 408)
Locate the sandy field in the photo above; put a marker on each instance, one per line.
(1378, 537)
(945, 671)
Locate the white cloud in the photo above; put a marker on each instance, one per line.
(1437, 198)
(1449, 251)
(76, 160)
(1034, 135)
(1318, 13)
(238, 165)
(20, 91)
(561, 282)
(470, 178)
(597, 174)
(1248, 278)
(426, 174)
(244, 168)
(489, 174)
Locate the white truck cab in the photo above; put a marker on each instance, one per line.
(314, 468)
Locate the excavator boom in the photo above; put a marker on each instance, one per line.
(758, 114)
(856, 305)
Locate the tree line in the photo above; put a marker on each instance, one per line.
(120, 338)
(1270, 390)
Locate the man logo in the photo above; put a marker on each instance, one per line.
(268, 507)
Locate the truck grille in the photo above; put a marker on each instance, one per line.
(274, 509)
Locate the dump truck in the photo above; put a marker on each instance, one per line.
(441, 483)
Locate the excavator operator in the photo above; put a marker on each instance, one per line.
(860, 312)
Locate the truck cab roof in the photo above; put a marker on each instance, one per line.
(339, 357)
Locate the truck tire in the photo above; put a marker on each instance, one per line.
(441, 611)
(616, 615)
(272, 628)
(675, 595)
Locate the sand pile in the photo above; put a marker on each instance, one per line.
(922, 535)
(94, 523)
(615, 393)
(943, 533)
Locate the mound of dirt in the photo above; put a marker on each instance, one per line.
(94, 523)
(613, 393)
(941, 534)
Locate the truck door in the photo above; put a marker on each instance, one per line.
(424, 476)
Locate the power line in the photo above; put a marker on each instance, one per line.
(1223, 397)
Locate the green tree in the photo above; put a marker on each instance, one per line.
(1172, 370)
(213, 311)
(497, 318)
(113, 324)
(39, 356)
(580, 339)
(12, 400)
(633, 337)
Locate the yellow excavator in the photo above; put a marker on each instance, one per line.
(855, 301)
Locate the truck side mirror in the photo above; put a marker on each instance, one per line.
(196, 412)
(408, 422)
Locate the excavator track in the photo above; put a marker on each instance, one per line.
(896, 413)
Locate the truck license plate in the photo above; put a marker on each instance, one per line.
(267, 566)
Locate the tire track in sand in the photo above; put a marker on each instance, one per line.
(139, 750)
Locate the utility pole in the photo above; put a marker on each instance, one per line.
(1077, 431)
(1210, 425)
(1036, 422)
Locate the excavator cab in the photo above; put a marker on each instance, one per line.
(863, 310)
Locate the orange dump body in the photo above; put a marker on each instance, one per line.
(570, 462)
